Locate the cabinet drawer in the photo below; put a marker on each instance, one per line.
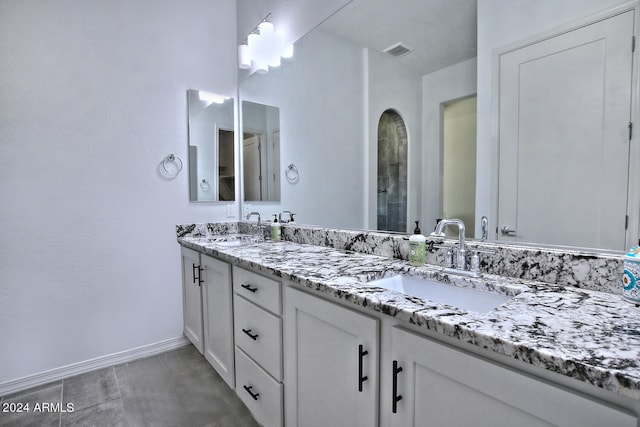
(258, 289)
(261, 393)
(259, 334)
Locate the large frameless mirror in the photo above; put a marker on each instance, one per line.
(211, 147)
(260, 152)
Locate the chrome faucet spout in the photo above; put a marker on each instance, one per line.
(249, 215)
(461, 259)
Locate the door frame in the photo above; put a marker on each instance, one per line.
(633, 191)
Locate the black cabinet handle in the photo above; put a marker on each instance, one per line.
(200, 276)
(361, 378)
(194, 272)
(395, 398)
(249, 288)
(252, 394)
(248, 332)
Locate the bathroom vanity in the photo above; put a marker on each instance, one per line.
(304, 338)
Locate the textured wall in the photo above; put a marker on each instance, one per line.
(93, 96)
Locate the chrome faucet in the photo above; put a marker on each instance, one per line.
(255, 229)
(291, 214)
(461, 256)
(249, 215)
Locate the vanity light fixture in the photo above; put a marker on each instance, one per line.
(263, 48)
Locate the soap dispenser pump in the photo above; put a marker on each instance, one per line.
(417, 247)
(276, 230)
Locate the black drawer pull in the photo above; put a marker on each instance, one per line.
(395, 398)
(200, 276)
(194, 272)
(249, 288)
(252, 394)
(248, 332)
(361, 378)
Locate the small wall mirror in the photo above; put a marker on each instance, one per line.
(260, 152)
(211, 147)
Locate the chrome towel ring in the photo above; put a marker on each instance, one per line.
(172, 165)
(292, 174)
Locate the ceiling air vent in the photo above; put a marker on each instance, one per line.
(398, 49)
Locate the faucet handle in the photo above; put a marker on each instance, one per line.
(475, 263)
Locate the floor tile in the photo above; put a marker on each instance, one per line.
(149, 394)
(105, 414)
(43, 407)
(90, 389)
(177, 388)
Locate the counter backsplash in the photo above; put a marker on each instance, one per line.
(583, 269)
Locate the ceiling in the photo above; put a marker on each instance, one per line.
(442, 32)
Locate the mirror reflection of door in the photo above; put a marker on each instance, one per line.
(392, 172)
(252, 168)
(273, 158)
(459, 162)
(261, 146)
(226, 175)
(565, 101)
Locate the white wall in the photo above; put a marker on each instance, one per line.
(93, 98)
(445, 85)
(392, 85)
(322, 135)
(500, 23)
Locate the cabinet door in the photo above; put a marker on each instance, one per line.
(438, 385)
(192, 297)
(331, 364)
(218, 316)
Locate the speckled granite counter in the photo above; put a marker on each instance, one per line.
(587, 335)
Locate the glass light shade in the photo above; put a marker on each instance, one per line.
(244, 57)
(252, 39)
(265, 28)
(275, 46)
(287, 51)
(268, 50)
(258, 49)
(261, 67)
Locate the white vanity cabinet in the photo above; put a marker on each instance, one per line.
(258, 337)
(192, 298)
(331, 363)
(208, 310)
(430, 383)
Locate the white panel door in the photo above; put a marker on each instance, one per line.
(192, 298)
(217, 315)
(564, 112)
(331, 364)
(252, 168)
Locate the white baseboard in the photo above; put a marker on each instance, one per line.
(20, 384)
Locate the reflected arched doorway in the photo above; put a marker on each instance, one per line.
(392, 172)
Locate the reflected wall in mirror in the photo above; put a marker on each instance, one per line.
(260, 152)
(211, 147)
(341, 81)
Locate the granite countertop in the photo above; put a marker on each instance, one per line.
(587, 335)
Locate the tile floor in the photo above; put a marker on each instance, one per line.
(176, 388)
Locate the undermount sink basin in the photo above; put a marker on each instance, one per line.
(469, 299)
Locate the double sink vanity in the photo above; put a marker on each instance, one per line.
(333, 327)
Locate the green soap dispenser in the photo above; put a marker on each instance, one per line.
(417, 247)
(276, 230)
